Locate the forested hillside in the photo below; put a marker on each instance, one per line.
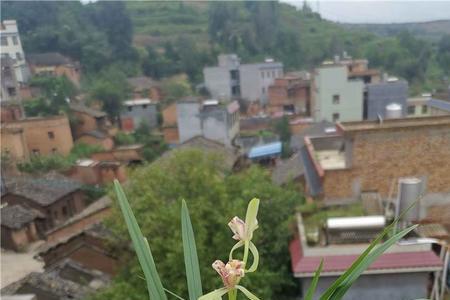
(160, 39)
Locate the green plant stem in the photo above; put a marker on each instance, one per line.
(246, 246)
(232, 294)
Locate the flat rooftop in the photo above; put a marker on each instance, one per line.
(331, 159)
(393, 123)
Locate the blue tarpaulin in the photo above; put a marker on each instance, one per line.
(265, 150)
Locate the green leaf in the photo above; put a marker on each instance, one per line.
(250, 218)
(338, 282)
(255, 254)
(190, 255)
(247, 292)
(214, 295)
(367, 261)
(313, 286)
(144, 254)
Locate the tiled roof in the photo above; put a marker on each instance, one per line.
(44, 190)
(96, 134)
(79, 107)
(48, 59)
(141, 83)
(305, 266)
(15, 216)
(288, 169)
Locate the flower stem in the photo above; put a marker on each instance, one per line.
(232, 293)
(246, 247)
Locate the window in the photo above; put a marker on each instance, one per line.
(4, 40)
(35, 151)
(336, 99)
(54, 150)
(144, 106)
(268, 74)
(263, 90)
(262, 75)
(64, 211)
(51, 135)
(130, 108)
(411, 110)
(424, 109)
(12, 91)
(335, 117)
(15, 40)
(273, 74)
(18, 56)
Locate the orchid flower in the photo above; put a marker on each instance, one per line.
(232, 272)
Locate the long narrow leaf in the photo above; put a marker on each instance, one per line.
(154, 285)
(356, 272)
(313, 286)
(190, 255)
(334, 286)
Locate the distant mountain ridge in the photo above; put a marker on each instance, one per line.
(430, 30)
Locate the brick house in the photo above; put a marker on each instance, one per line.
(18, 227)
(97, 138)
(54, 196)
(94, 172)
(88, 247)
(13, 144)
(138, 111)
(88, 119)
(145, 87)
(170, 124)
(54, 64)
(289, 94)
(41, 135)
(371, 156)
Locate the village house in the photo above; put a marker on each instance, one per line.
(370, 155)
(137, 112)
(88, 119)
(92, 172)
(145, 87)
(11, 47)
(418, 106)
(54, 196)
(87, 247)
(290, 94)
(10, 88)
(97, 138)
(209, 118)
(18, 227)
(170, 125)
(54, 64)
(126, 154)
(231, 80)
(11, 111)
(36, 136)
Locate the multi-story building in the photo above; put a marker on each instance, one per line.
(54, 64)
(379, 95)
(10, 88)
(290, 94)
(37, 136)
(233, 80)
(210, 119)
(371, 155)
(334, 96)
(11, 46)
(138, 111)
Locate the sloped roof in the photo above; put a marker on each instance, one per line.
(44, 190)
(305, 266)
(288, 169)
(15, 216)
(439, 104)
(141, 83)
(81, 107)
(48, 59)
(96, 134)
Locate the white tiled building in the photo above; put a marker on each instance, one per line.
(11, 46)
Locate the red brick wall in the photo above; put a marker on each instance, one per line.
(106, 143)
(85, 123)
(171, 135)
(379, 157)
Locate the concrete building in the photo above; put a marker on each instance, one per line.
(11, 47)
(233, 80)
(54, 64)
(37, 136)
(210, 119)
(402, 272)
(289, 94)
(418, 106)
(139, 111)
(10, 88)
(379, 95)
(334, 96)
(371, 156)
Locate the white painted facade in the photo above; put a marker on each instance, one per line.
(12, 46)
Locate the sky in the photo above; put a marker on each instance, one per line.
(379, 11)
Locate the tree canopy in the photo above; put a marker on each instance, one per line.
(155, 194)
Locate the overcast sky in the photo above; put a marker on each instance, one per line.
(378, 11)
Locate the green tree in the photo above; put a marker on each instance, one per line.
(213, 200)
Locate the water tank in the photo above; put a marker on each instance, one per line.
(410, 189)
(393, 111)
